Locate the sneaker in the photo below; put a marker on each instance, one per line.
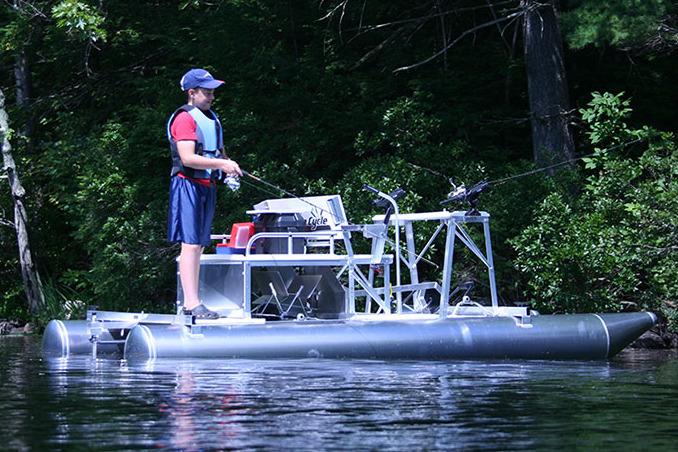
(201, 312)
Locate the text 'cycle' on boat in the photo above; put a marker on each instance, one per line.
(290, 285)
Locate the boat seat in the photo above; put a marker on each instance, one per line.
(275, 300)
(289, 301)
(265, 305)
(307, 287)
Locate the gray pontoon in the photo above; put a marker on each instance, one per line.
(299, 290)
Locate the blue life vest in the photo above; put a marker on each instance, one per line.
(209, 144)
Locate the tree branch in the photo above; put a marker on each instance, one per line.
(332, 12)
(664, 42)
(3, 220)
(82, 90)
(398, 32)
(459, 38)
(369, 28)
(501, 31)
(22, 7)
(443, 33)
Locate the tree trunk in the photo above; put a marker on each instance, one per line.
(22, 76)
(29, 273)
(546, 84)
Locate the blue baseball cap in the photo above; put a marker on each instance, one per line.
(199, 78)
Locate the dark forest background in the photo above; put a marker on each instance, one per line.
(322, 96)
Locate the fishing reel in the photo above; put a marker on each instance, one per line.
(467, 195)
(232, 182)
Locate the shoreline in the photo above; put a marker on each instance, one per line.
(656, 338)
(16, 328)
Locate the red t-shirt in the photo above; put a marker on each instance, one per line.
(184, 127)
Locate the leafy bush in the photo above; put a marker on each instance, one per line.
(79, 20)
(613, 247)
(60, 303)
(117, 220)
(616, 22)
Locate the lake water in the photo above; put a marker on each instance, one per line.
(630, 402)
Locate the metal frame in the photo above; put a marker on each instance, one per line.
(348, 261)
(454, 222)
(359, 284)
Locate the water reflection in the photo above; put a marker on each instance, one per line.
(199, 406)
(309, 404)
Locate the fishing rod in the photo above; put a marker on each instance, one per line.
(582, 157)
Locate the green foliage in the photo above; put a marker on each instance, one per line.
(12, 303)
(614, 246)
(14, 33)
(616, 22)
(671, 314)
(406, 127)
(79, 20)
(606, 118)
(60, 303)
(120, 233)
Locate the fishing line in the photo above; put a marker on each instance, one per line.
(534, 171)
(538, 170)
(246, 182)
(429, 170)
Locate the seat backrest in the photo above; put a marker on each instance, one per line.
(278, 283)
(263, 280)
(309, 283)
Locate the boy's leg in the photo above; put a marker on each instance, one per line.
(189, 273)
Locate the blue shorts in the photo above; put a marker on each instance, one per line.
(191, 211)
